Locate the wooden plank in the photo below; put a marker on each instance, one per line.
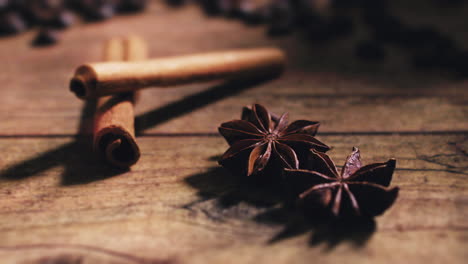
(170, 112)
(337, 114)
(35, 97)
(68, 206)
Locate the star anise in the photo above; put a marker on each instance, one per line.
(358, 190)
(263, 138)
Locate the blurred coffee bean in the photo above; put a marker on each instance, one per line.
(97, 10)
(230, 8)
(210, 7)
(345, 3)
(426, 61)
(130, 6)
(321, 7)
(450, 3)
(42, 11)
(375, 12)
(252, 14)
(417, 37)
(305, 12)
(11, 23)
(457, 63)
(101, 13)
(18, 4)
(319, 30)
(45, 37)
(370, 51)
(341, 26)
(448, 53)
(4, 5)
(375, 5)
(175, 2)
(74, 5)
(63, 19)
(282, 18)
(17, 15)
(389, 29)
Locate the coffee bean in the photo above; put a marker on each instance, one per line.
(130, 6)
(210, 7)
(175, 2)
(42, 11)
(346, 3)
(341, 26)
(4, 4)
(45, 37)
(304, 12)
(11, 23)
(318, 30)
(63, 19)
(389, 29)
(230, 8)
(97, 10)
(99, 13)
(282, 18)
(252, 14)
(370, 51)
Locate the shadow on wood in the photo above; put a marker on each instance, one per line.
(82, 167)
(225, 196)
(323, 227)
(194, 102)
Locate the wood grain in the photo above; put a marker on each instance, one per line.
(166, 205)
(58, 204)
(159, 112)
(404, 98)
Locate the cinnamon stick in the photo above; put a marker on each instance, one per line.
(114, 132)
(100, 79)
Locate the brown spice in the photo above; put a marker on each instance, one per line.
(357, 191)
(114, 132)
(100, 79)
(268, 139)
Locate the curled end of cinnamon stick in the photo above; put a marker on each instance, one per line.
(78, 87)
(83, 83)
(117, 147)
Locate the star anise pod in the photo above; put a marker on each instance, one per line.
(358, 190)
(263, 138)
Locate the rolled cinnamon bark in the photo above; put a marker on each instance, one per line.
(114, 131)
(100, 79)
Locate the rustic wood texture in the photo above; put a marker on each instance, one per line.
(58, 204)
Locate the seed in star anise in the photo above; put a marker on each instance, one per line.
(259, 141)
(356, 191)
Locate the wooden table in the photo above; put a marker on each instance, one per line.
(59, 205)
